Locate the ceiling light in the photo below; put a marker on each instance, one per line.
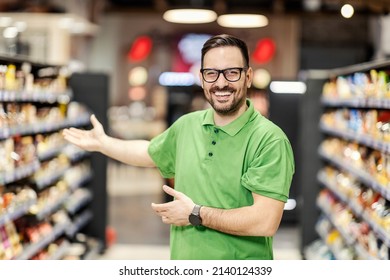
(176, 79)
(312, 5)
(261, 78)
(138, 76)
(288, 87)
(190, 16)
(347, 11)
(242, 20)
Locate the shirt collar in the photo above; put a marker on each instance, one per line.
(235, 126)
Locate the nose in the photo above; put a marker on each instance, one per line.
(221, 81)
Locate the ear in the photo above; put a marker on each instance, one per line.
(249, 77)
(200, 79)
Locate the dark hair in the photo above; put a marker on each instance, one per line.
(225, 40)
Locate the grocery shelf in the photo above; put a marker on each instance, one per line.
(349, 239)
(74, 153)
(39, 162)
(77, 200)
(32, 249)
(359, 138)
(355, 99)
(364, 177)
(34, 96)
(50, 178)
(356, 209)
(335, 251)
(81, 180)
(52, 152)
(43, 127)
(16, 213)
(358, 102)
(50, 208)
(61, 250)
(79, 222)
(19, 173)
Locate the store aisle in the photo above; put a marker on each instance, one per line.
(140, 234)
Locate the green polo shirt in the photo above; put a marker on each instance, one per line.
(220, 167)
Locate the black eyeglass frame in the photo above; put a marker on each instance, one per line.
(223, 73)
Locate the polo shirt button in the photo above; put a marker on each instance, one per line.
(210, 154)
(216, 130)
(213, 142)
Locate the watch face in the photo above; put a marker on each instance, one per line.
(195, 220)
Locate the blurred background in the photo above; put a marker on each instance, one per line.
(321, 73)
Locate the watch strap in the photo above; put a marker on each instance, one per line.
(196, 210)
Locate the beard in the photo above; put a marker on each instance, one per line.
(228, 107)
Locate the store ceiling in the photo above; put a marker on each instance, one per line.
(264, 6)
(220, 6)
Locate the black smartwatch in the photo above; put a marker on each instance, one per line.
(194, 217)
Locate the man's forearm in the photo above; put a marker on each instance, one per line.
(255, 220)
(132, 152)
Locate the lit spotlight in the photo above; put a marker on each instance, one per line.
(347, 11)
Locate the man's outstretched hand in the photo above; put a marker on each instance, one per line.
(90, 140)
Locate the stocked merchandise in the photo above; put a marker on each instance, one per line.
(355, 199)
(44, 198)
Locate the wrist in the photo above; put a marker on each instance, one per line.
(195, 217)
(103, 143)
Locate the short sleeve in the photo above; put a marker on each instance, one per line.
(271, 170)
(162, 150)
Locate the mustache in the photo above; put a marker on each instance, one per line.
(226, 88)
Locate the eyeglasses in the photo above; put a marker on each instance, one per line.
(231, 74)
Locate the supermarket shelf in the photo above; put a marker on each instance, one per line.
(361, 67)
(51, 153)
(349, 240)
(32, 249)
(361, 139)
(19, 173)
(74, 153)
(335, 251)
(77, 200)
(358, 211)
(357, 103)
(79, 222)
(365, 86)
(360, 252)
(81, 181)
(51, 208)
(381, 232)
(94, 252)
(54, 96)
(17, 213)
(61, 251)
(47, 181)
(364, 177)
(43, 127)
(35, 96)
(318, 250)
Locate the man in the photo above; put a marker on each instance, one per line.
(232, 166)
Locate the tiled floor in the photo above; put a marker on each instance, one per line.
(140, 234)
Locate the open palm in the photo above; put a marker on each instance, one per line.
(89, 140)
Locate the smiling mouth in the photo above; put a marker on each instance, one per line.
(222, 94)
